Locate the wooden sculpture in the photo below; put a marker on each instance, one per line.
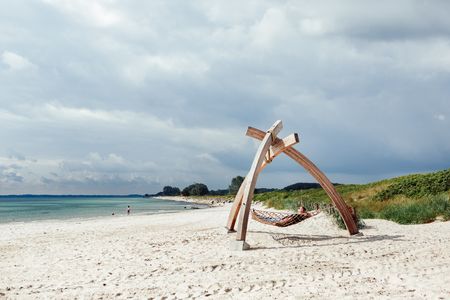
(270, 147)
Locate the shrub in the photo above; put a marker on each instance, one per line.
(340, 222)
(417, 185)
(196, 189)
(171, 191)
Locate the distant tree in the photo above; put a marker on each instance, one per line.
(186, 191)
(171, 191)
(199, 189)
(235, 184)
(196, 189)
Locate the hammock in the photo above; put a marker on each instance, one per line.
(280, 219)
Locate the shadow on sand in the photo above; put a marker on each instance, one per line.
(299, 241)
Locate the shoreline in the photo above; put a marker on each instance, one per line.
(94, 218)
(27, 209)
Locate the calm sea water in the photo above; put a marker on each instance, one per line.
(19, 208)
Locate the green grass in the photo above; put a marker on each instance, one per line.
(417, 212)
(412, 199)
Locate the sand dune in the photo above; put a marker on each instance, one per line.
(187, 255)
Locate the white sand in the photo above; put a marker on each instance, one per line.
(188, 254)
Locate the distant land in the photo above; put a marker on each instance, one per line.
(175, 191)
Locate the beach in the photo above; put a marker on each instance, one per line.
(188, 255)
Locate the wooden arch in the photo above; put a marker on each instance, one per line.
(270, 147)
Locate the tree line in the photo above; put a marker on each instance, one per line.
(201, 189)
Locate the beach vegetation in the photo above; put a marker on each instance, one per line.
(171, 191)
(195, 189)
(411, 199)
(417, 185)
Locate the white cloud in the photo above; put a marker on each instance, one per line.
(95, 163)
(51, 111)
(273, 26)
(59, 175)
(15, 61)
(142, 123)
(435, 55)
(313, 26)
(440, 117)
(123, 144)
(154, 66)
(208, 157)
(92, 11)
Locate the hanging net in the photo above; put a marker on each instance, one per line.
(280, 219)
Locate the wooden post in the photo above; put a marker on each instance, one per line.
(236, 206)
(275, 149)
(252, 177)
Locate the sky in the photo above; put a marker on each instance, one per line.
(119, 97)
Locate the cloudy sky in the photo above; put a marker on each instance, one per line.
(106, 96)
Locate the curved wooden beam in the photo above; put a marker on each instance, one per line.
(234, 212)
(275, 149)
(324, 182)
(267, 140)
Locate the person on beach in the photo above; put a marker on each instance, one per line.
(292, 218)
(128, 210)
(302, 211)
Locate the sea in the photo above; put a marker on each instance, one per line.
(26, 208)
